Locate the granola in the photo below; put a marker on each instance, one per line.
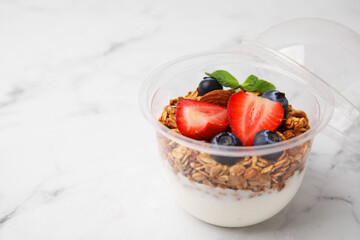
(253, 173)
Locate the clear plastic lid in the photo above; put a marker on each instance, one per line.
(332, 52)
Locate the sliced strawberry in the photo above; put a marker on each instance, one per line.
(249, 114)
(200, 120)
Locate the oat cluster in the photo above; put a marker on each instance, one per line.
(254, 173)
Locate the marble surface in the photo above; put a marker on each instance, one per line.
(78, 160)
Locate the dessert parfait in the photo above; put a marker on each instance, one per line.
(227, 190)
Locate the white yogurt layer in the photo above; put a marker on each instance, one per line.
(227, 207)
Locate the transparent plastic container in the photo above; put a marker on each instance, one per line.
(266, 193)
(331, 51)
(255, 188)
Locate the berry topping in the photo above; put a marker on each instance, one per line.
(209, 84)
(267, 137)
(276, 96)
(200, 120)
(226, 139)
(249, 114)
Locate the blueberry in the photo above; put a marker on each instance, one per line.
(276, 96)
(208, 84)
(264, 137)
(226, 139)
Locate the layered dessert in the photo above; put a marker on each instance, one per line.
(228, 190)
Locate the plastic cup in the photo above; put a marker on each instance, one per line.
(257, 188)
(331, 51)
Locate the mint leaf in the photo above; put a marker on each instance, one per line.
(254, 84)
(224, 78)
(250, 82)
(263, 86)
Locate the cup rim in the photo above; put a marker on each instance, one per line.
(235, 151)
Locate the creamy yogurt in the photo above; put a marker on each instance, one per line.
(228, 207)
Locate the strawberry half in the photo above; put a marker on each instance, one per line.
(200, 120)
(249, 114)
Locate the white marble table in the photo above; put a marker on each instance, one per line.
(78, 160)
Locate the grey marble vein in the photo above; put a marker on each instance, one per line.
(13, 96)
(355, 217)
(336, 198)
(47, 196)
(7, 217)
(121, 44)
(341, 199)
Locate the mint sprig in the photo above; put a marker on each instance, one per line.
(225, 78)
(254, 84)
